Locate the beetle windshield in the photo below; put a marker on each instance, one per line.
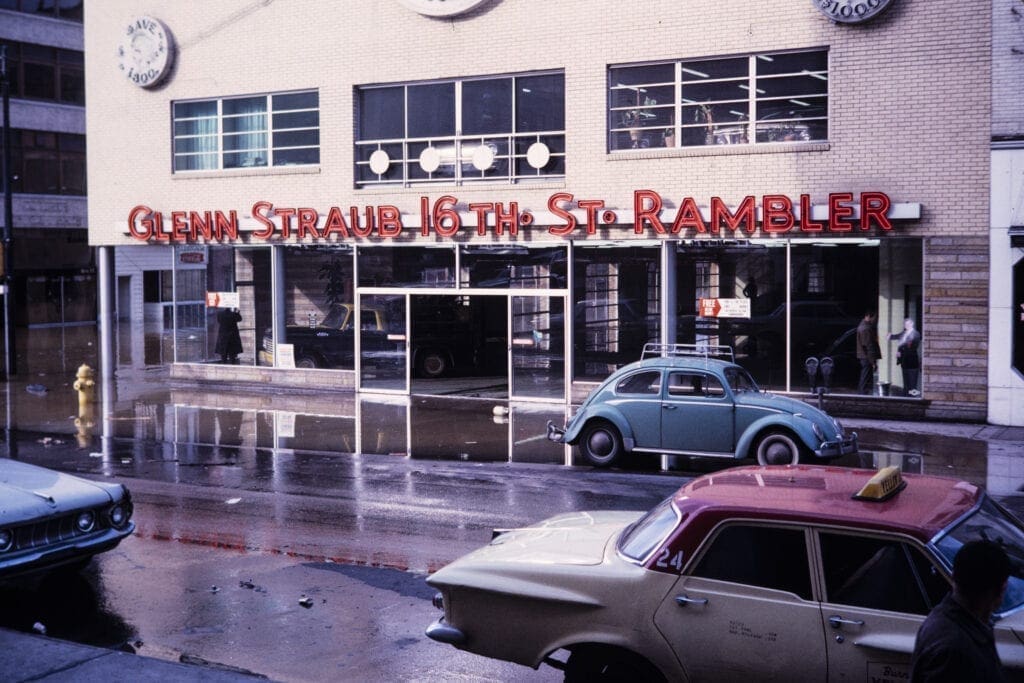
(989, 522)
(643, 536)
(740, 380)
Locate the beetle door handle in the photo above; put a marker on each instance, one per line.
(668, 406)
(835, 621)
(684, 600)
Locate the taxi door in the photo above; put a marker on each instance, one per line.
(877, 591)
(745, 611)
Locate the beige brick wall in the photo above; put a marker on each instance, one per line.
(909, 95)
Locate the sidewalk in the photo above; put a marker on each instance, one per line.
(31, 657)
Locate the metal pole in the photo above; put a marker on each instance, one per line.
(10, 356)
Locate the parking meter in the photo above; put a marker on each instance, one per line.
(811, 367)
(827, 365)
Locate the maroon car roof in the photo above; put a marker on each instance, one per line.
(824, 495)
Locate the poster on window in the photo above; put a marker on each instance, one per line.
(222, 300)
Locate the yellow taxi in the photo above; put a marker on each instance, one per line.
(762, 573)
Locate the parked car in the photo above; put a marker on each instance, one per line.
(50, 520)
(680, 400)
(757, 573)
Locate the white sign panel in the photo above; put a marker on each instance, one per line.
(222, 300)
(285, 355)
(724, 308)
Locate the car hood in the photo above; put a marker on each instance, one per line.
(773, 401)
(28, 492)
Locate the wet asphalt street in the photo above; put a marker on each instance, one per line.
(288, 535)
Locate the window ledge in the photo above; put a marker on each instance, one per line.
(246, 172)
(720, 150)
(553, 184)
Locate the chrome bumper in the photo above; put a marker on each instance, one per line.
(444, 633)
(836, 449)
(555, 433)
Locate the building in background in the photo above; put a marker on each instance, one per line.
(54, 276)
(398, 192)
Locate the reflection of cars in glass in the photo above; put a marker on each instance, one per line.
(801, 572)
(50, 520)
(687, 403)
(813, 325)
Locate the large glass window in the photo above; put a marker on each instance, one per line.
(757, 99)
(517, 267)
(506, 128)
(41, 72)
(615, 311)
(240, 132)
(59, 9)
(406, 267)
(47, 163)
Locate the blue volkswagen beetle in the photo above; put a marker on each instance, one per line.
(684, 399)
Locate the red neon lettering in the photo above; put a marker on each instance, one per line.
(306, 223)
(806, 224)
(179, 226)
(591, 206)
(389, 221)
(648, 214)
(510, 220)
(268, 226)
(481, 209)
(141, 216)
(837, 212)
(745, 215)
(335, 223)
(689, 216)
(778, 213)
(553, 207)
(873, 207)
(225, 226)
(444, 210)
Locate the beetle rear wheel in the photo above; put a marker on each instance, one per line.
(777, 448)
(595, 663)
(306, 362)
(601, 444)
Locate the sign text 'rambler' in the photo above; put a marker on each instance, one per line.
(564, 216)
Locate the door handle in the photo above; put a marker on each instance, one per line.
(668, 406)
(684, 600)
(836, 621)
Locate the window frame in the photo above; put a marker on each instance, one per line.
(67, 68)
(744, 132)
(223, 134)
(510, 161)
(66, 156)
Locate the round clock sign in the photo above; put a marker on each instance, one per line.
(441, 8)
(852, 11)
(146, 52)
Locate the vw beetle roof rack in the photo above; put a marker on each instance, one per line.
(705, 351)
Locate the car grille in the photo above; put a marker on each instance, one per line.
(52, 531)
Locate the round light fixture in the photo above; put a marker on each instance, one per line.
(430, 159)
(483, 157)
(538, 155)
(380, 162)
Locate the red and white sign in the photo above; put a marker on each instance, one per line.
(724, 308)
(222, 300)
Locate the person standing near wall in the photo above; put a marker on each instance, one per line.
(868, 350)
(229, 341)
(908, 356)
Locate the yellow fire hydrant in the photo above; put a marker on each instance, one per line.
(85, 385)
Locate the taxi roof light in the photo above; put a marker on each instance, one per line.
(885, 484)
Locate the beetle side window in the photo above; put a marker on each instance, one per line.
(640, 383)
(879, 573)
(694, 385)
(769, 557)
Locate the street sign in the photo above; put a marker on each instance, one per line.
(724, 308)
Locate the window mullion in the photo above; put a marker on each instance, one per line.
(752, 104)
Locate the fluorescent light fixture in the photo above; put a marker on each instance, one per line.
(737, 113)
(766, 58)
(747, 87)
(694, 73)
(814, 75)
(800, 102)
(527, 90)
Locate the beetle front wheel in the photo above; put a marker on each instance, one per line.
(777, 448)
(601, 444)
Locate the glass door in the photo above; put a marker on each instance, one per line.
(537, 367)
(383, 342)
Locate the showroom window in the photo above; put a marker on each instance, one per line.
(755, 99)
(281, 129)
(509, 128)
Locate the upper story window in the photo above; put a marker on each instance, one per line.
(47, 163)
(61, 9)
(726, 101)
(280, 129)
(40, 72)
(509, 128)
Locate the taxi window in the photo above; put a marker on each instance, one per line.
(877, 573)
(769, 557)
(645, 535)
(640, 383)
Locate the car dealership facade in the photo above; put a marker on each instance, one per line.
(531, 191)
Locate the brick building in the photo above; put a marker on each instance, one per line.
(533, 190)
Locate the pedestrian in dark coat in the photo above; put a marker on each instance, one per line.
(956, 643)
(229, 341)
(868, 351)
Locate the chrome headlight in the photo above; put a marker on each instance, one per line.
(85, 521)
(6, 540)
(438, 601)
(118, 516)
